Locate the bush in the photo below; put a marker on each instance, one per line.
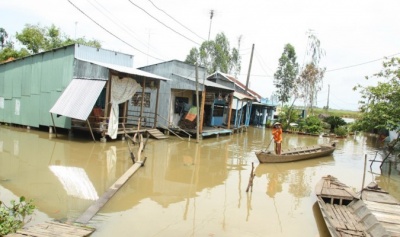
(341, 131)
(15, 216)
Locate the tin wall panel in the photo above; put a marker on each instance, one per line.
(26, 77)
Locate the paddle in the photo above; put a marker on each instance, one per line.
(269, 143)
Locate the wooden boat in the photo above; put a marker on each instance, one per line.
(295, 154)
(343, 212)
(383, 206)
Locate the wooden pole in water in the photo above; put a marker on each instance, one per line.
(365, 164)
(197, 105)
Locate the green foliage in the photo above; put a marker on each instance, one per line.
(215, 55)
(285, 76)
(8, 52)
(313, 125)
(37, 39)
(340, 131)
(380, 105)
(15, 216)
(288, 115)
(3, 37)
(334, 122)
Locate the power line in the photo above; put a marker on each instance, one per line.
(112, 33)
(176, 20)
(120, 24)
(162, 23)
(336, 69)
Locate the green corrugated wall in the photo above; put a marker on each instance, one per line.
(35, 83)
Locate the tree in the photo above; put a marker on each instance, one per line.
(285, 76)
(334, 122)
(310, 83)
(287, 116)
(215, 55)
(380, 105)
(33, 37)
(37, 39)
(3, 37)
(310, 80)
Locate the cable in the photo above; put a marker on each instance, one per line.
(336, 69)
(120, 24)
(176, 21)
(163, 23)
(112, 33)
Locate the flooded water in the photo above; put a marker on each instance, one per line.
(185, 188)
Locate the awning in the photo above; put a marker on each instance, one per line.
(78, 98)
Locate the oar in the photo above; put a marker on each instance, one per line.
(269, 143)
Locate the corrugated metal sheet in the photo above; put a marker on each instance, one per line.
(71, 103)
(128, 70)
(206, 82)
(87, 53)
(241, 96)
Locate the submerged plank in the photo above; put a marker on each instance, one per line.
(53, 229)
(96, 206)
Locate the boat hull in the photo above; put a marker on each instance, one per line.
(302, 153)
(344, 213)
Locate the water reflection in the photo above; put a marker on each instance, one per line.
(185, 188)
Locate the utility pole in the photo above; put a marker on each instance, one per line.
(248, 74)
(327, 103)
(209, 29)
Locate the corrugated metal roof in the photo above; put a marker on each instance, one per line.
(78, 98)
(241, 96)
(206, 82)
(128, 70)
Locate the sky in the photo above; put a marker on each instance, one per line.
(355, 35)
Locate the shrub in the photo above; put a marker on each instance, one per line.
(15, 216)
(340, 131)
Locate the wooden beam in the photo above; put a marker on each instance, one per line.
(230, 110)
(96, 206)
(156, 109)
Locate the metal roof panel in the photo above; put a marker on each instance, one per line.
(78, 98)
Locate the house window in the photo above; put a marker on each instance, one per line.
(181, 104)
(137, 99)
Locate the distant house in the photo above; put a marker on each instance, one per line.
(250, 107)
(178, 98)
(84, 88)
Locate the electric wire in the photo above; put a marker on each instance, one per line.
(176, 21)
(356, 65)
(112, 33)
(163, 23)
(121, 24)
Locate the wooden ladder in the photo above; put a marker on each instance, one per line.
(157, 134)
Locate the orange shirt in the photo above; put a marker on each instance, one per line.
(277, 133)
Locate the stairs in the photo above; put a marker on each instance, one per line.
(157, 134)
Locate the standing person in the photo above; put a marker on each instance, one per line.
(277, 134)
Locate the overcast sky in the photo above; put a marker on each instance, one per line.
(356, 35)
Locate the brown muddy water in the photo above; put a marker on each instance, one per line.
(185, 188)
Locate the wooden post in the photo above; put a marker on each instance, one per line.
(156, 109)
(252, 174)
(142, 103)
(203, 101)
(365, 164)
(197, 106)
(230, 110)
